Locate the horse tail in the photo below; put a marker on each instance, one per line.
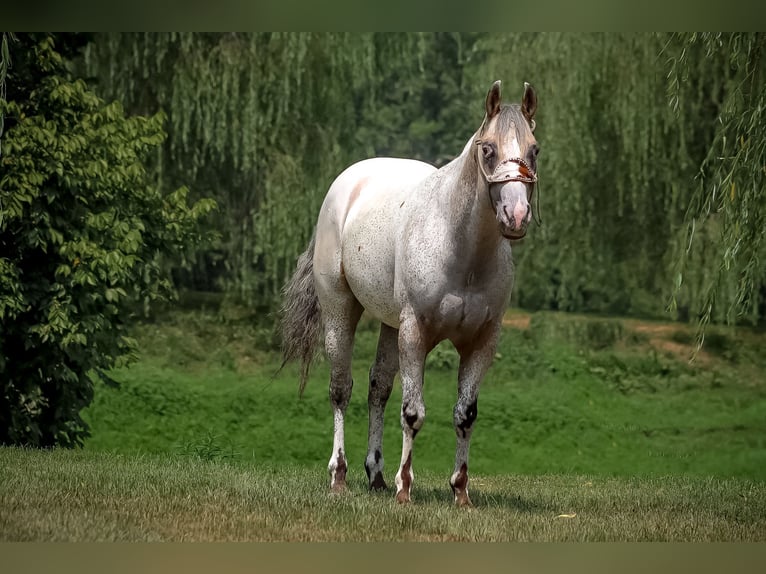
(301, 316)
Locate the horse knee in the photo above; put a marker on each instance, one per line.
(381, 385)
(464, 417)
(413, 416)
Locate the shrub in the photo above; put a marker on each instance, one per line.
(83, 234)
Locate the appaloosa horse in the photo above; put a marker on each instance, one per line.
(426, 252)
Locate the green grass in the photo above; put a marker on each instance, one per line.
(85, 496)
(589, 429)
(548, 405)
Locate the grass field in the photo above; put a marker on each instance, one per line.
(589, 429)
(565, 395)
(82, 496)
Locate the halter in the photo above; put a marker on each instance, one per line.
(525, 174)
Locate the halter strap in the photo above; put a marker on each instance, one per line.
(526, 175)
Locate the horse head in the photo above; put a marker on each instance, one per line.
(507, 159)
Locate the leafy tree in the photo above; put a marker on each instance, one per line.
(620, 169)
(4, 63)
(83, 232)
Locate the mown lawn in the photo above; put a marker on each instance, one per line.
(86, 496)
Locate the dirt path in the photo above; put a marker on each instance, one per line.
(667, 338)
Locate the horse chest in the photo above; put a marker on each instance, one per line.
(464, 312)
(460, 316)
(453, 299)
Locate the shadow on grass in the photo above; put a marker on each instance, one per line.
(480, 497)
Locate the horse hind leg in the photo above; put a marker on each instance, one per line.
(340, 325)
(382, 376)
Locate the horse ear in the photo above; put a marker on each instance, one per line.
(529, 104)
(493, 100)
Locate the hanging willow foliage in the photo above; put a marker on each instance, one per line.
(264, 122)
(5, 62)
(618, 167)
(728, 206)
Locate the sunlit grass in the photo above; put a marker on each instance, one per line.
(83, 496)
(586, 431)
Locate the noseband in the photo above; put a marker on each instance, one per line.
(525, 174)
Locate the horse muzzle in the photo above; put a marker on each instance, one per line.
(512, 209)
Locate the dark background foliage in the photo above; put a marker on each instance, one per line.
(83, 235)
(631, 127)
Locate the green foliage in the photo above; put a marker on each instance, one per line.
(5, 62)
(264, 122)
(616, 168)
(586, 332)
(208, 448)
(728, 207)
(443, 357)
(83, 234)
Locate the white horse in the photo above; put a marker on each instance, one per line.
(427, 253)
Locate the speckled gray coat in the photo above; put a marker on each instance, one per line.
(426, 252)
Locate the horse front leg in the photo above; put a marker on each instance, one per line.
(382, 376)
(475, 359)
(412, 354)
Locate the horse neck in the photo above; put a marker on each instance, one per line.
(472, 220)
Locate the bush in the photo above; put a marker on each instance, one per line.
(83, 235)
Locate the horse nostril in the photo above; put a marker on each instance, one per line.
(510, 217)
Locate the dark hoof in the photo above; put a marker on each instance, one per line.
(378, 483)
(462, 500)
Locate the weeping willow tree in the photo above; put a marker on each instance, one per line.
(637, 195)
(728, 206)
(5, 61)
(264, 122)
(245, 114)
(618, 166)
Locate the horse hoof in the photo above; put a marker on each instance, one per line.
(403, 497)
(378, 483)
(338, 488)
(462, 500)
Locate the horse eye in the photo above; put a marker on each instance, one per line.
(535, 150)
(488, 150)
